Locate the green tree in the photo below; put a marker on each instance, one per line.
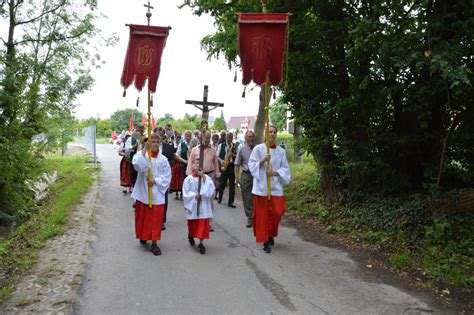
(194, 119)
(183, 124)
(278, 112)
(382, 90)
(120, 119)
(167, 119)
(219, 123)
(43, 67)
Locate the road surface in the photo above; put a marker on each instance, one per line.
(234, 276)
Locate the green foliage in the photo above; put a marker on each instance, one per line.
(167, 119)
(441, 244)
(194, 119)
(219, 123)
(19, 251)
(278, 112)
(181, 125)
(103, 126)
(120, 119)
(44, 65)
(400, 260)
(287, 141)
(383, 90)
(16, 194)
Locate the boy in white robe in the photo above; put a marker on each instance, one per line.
(267, 213)
(198, 226)
(148, 219)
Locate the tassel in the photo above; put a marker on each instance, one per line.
(286, 86)
(151, 101)
(243, 93)
(274, 93)
(138, 100)
(124, 93)
(235, 76)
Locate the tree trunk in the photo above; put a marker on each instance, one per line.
(297, 135)
(324, 157)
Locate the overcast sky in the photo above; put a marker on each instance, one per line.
(184, 68)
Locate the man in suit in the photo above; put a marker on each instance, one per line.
(168, 151)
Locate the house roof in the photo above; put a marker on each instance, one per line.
(236, 122)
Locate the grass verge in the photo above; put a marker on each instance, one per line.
(436, 247)
(20, 251)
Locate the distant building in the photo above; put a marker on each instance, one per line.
(243, 123)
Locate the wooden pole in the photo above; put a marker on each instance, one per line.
(150, 175)
(267, 133)
(267, 119)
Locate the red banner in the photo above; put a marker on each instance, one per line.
(153, 124)
(262, 42)
(143, 58)
(131, 124)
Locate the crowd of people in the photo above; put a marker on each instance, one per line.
(175, 169)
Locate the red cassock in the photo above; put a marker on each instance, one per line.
(199, 228)
(266, 216)
(148, 221)
(125, 169)
(176, 177)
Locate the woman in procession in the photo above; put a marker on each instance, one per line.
(125, 166)
(176, 172)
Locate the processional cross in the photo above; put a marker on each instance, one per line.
(148, 14)
(204, 107)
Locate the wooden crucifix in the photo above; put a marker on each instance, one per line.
(204, 107)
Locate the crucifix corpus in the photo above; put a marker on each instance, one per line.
(204, 107)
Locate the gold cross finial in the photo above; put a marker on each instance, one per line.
(148, 14)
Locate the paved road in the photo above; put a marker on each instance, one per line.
(234, 276)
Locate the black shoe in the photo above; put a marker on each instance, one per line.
(202, 249)
(163, 227)
(191, 240)
(143, 242)
(155, 249)
(219, 200)
(271, 241)
(232, 205)
(249, 223)
(211, 229)
(266, 248)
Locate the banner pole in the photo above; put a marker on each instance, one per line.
(267, 133)
(150, 193)
(267, 119)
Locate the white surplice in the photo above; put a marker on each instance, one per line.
(190, 189)
(279, 163)
(161, 173)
